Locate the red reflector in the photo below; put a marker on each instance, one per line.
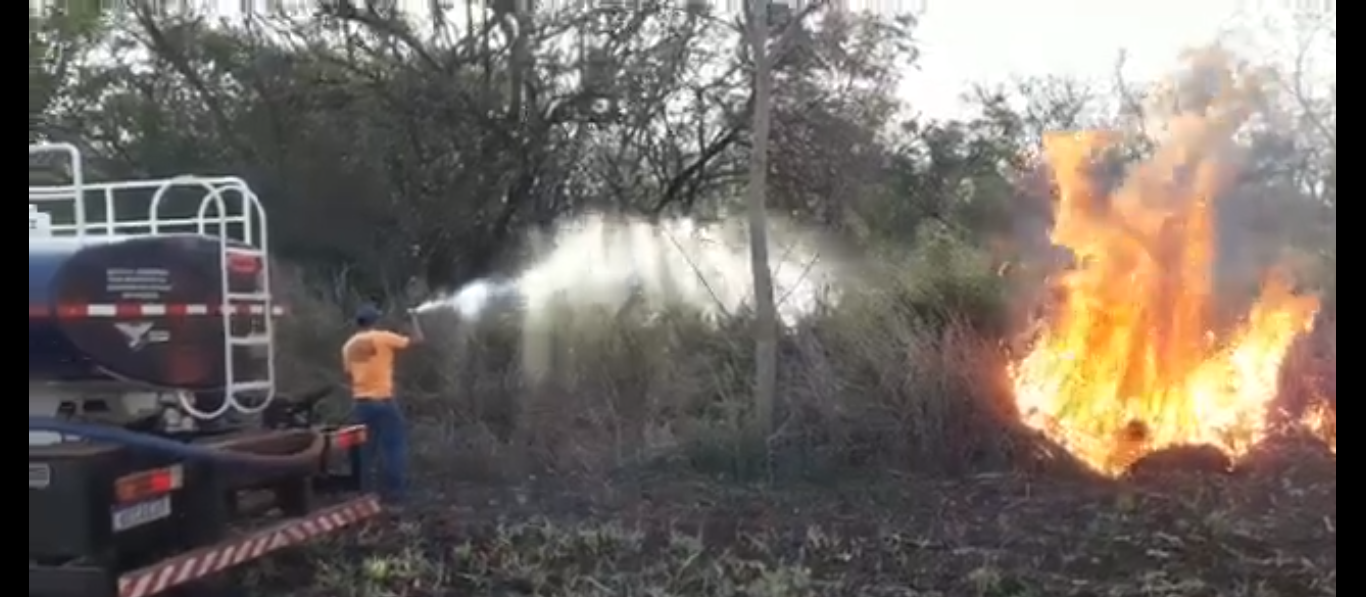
(148, 484)
(349, 437)
(243, 264)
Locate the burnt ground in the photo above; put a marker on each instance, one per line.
(1269, 530)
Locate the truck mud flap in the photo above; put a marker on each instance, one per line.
(206, 561)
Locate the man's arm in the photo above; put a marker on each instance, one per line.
(396, 341)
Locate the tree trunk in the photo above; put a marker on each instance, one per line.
(765, 311)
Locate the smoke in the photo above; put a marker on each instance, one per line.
(598, 265)
(1269, 209)
(1229, 121)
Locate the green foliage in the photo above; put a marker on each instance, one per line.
(948, 280)
(57, 45)
(427, 162)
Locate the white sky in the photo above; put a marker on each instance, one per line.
(973, 41)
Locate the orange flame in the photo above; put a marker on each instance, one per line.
(1127, 363)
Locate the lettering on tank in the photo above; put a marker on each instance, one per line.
(137, 284)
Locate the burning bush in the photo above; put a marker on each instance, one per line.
(1132, 361)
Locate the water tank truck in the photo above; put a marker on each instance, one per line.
(160, 455)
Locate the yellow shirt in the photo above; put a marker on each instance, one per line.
(368, 358)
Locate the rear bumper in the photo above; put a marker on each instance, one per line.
(70, 504)
(69, 516)
(196, 565)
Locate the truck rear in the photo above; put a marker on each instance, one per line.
(160, 455)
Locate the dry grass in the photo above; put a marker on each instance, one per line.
(1260, 534)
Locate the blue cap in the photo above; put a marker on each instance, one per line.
(367, 315)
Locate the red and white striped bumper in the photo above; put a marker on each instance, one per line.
(203, 562)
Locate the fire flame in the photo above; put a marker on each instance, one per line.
(1128, 363)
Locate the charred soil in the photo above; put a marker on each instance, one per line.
(1267, 529)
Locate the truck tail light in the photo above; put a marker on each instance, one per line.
(244, 264)
(349, 437)
(148, 484)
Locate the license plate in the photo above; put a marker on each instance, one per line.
(39, 476)
(141, 513)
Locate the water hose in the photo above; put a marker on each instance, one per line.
(306, 458)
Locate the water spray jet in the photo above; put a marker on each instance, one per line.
(600, 272)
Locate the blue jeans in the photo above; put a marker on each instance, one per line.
(387, 446)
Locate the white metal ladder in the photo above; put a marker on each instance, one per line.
(217, 216)
(254, 338)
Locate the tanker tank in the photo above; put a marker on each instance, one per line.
(137, 309)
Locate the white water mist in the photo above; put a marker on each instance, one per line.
(598, 263)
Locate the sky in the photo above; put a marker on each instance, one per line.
(973, 41)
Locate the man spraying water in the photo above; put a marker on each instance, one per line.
(368, 359)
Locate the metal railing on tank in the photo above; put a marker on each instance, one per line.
(223, 207)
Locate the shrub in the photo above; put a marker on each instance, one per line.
(906, 371)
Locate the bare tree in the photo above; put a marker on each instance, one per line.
(765, 309)
(759, 17)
